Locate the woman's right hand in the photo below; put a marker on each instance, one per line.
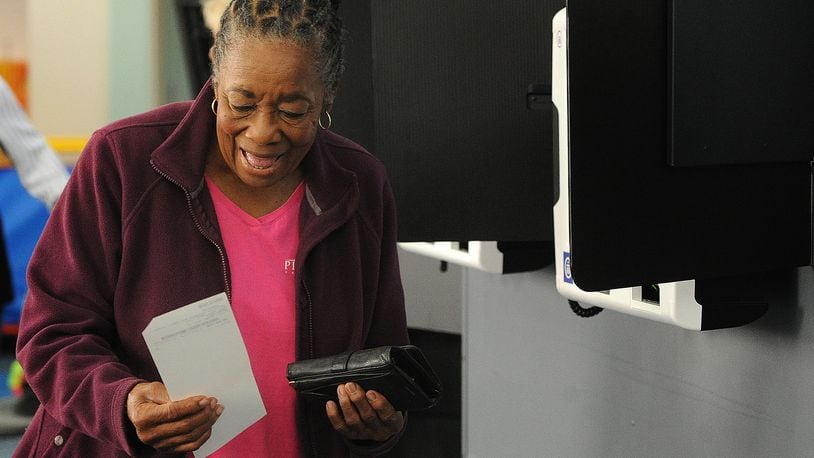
(171, 426)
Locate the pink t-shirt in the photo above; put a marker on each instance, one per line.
(261, 254)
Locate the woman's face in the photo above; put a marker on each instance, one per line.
(269, 99)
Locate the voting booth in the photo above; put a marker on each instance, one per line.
(684, 159)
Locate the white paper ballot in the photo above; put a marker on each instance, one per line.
(199, 351)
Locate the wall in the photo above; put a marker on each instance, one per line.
(68, 59)
(540, 381)
(94, 61)
(147, 65)
(432, 298)
(133, 63)
(13, 40)
(174, 79)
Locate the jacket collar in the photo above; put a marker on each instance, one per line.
(328, 183)
(182, 156)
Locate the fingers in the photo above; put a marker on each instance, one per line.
(388, 415)
(359, 414)
(186, 434)
(363, 415)
(335, 417)
(151, 403)
(177, 426)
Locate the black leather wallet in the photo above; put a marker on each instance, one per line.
(400, 373)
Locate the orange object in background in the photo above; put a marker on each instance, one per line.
(15, 72)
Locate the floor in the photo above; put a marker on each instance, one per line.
(435, 432)
(8, 444)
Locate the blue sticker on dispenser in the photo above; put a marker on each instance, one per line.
(566, 267)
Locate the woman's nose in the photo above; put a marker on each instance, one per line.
(264, 128)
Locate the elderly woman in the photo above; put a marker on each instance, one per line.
(243, 190)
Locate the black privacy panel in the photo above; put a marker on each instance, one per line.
(635, 219)
(438, 92)
(743, 81)
(353, 109)
(196, 39)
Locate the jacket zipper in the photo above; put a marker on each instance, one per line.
(309, 316)
(200, 229)
(308, 305)
(310, 321)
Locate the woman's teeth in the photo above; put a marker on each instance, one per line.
(259, 163)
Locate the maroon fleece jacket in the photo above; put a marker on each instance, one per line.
(135, 235)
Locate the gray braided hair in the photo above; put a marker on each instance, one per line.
(310, 23)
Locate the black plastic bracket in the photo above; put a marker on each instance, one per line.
(538, 96)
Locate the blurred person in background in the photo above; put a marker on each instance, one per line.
(43, 176)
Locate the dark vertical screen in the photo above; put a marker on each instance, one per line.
(447, 86)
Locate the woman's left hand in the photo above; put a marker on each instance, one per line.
(363, 415)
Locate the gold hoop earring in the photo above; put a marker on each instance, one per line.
(214, 109)
(330, 121)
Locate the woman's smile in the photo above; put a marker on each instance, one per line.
(260, 161)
